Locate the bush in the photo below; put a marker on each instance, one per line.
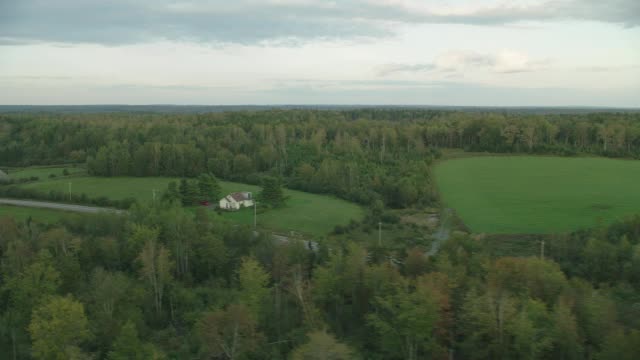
(339, 229)
(65, 172)
(51, 176)
(390, 218)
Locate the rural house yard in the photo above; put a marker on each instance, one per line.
(306, 213)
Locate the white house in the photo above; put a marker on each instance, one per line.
(236, 201)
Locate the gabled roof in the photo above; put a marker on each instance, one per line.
(240, 196)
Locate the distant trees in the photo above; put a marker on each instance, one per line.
(163, 282)
(360, 155)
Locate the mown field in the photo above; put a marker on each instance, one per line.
(43, 173)
(527, 194)
(304, 212)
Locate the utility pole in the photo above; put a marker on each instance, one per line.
(542, 249)
(380, 233)
(69, 190)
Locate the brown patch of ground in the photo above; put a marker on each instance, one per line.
(422, 219)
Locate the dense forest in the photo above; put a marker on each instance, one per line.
(162, 283)
(360, 155)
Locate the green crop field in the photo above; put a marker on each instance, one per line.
(304, 212)
(43, 172)
(40, 215)
(526, 194)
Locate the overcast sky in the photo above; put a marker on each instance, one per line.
(453, 52)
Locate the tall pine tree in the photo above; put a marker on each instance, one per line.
(271, 194)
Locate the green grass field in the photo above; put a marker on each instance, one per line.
(44, 172)
(304, 212)
(526, 194)
(41, 215)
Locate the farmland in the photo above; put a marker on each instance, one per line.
(304, 212)
(527, 194)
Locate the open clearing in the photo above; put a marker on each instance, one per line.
(304, 212)
(529, 194)
(43, 172)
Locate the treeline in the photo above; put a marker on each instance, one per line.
(160, 283)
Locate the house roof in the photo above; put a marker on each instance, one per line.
(240, 196)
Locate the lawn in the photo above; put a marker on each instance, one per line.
(43, 172)
(304, 212)
(118, 188)
(41, 215)
(527, 194)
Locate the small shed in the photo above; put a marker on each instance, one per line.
(3, 176)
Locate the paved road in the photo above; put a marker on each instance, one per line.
(58, 206)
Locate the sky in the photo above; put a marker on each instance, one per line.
(368, 52)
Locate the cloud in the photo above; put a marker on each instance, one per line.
(389, 69)
(603, 69)
(253, 21)
(414, 92)
(35, 77)
(458, 61)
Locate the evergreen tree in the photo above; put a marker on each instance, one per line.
(189, 192)
(209, 187)
(172, 193)
(183, 189)
(271, 194)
